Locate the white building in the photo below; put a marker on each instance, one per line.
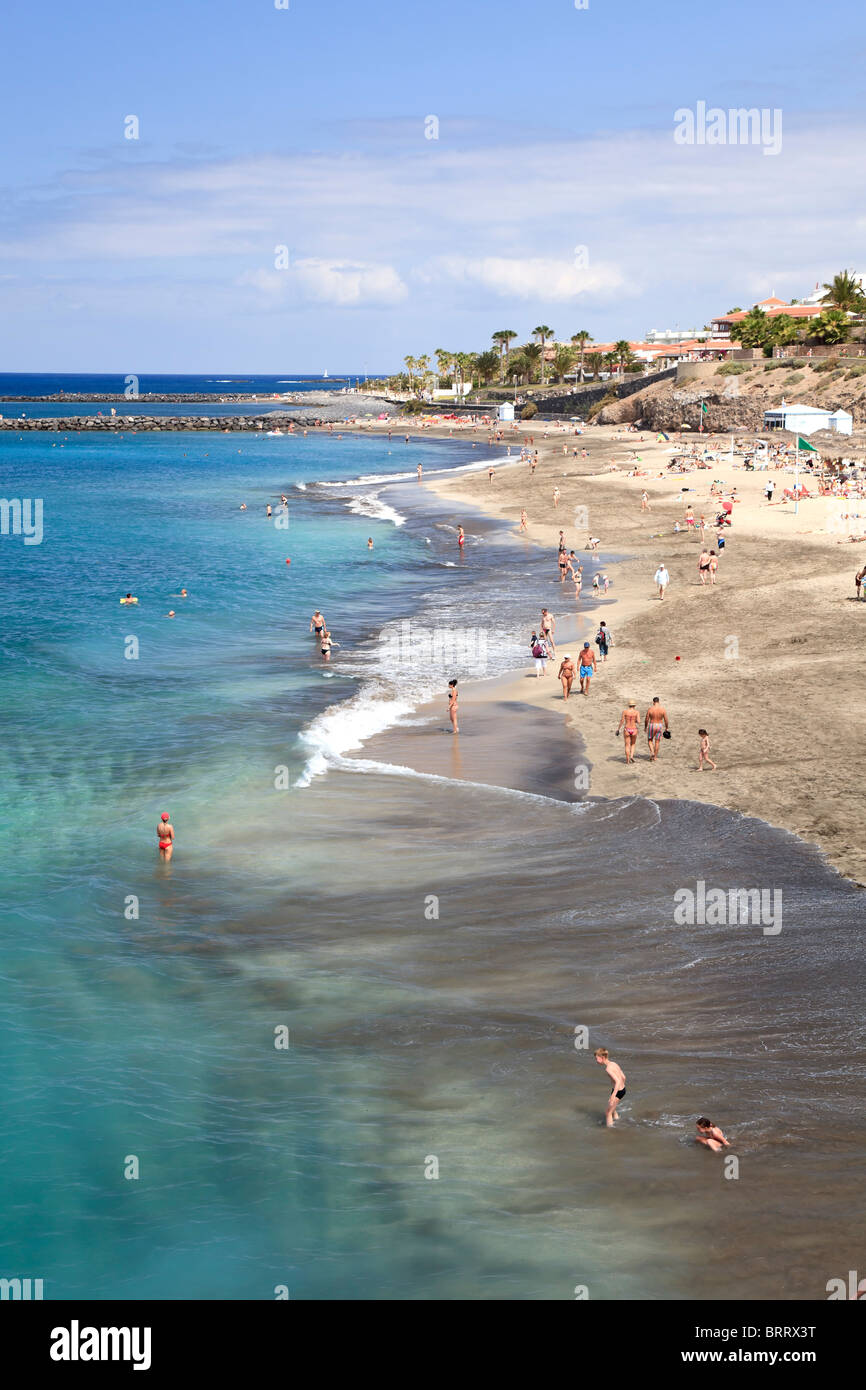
(806, 419)
(675, 335)
(506, 411)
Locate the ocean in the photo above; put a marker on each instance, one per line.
(336, 1045)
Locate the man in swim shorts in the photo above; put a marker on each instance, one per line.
(655, 723)
(317, 623)
(587, 667)
(617, 1078)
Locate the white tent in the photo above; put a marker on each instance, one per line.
(806, 419)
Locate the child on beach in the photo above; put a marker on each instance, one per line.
(704, 754)
(710, 1135)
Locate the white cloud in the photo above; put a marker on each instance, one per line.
(535, 277)
(344, 283)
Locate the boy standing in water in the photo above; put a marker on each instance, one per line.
(617, 1078)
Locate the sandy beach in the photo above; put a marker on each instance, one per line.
(769, 660)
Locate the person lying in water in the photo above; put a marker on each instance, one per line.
(710, 1135)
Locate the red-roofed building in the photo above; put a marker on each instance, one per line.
(773, 308)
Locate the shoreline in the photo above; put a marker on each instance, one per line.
(781, 581)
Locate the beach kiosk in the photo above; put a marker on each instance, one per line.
(506, 411)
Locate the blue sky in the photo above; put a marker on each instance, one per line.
(554, 191)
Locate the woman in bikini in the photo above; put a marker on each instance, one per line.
(452, 706)
(165, 837)
(629, 723)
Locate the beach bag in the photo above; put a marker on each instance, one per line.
(539, 650)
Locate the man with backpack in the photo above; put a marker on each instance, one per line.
(603, 640)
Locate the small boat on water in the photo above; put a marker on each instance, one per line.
(269, 434)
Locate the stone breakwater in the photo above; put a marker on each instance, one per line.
(330, 413)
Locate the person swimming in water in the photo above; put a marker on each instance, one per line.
(710, 1135)
(165, 837)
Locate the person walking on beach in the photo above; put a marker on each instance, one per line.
(617, 1079)
(548, 625)
(587, 667)
(556, 497)
(523, 520)
(603, 640)
(317, 623)
(704, 753)
(714, 565)
(452, 706)
(628, 723)
(710, 1135)
(491, 470)
(662, 579)
(165, 837)
(655, 723)
(645, 502)
(704, 566)
(566, 675)
(538, 647)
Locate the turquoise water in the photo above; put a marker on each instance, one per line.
(139, 1001)
(129, 1035)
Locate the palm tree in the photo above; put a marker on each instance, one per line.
(594, 363)
(581, 338)
(532, 355)
(443, 361)
(411, 364)
(563, 361)
(422, 367)
(623, 354)
(832, 326)
(486, 364)
(542, 333)
(845, 293)
(503, 337)
(517, 367)
(754, 330)
(463, 361)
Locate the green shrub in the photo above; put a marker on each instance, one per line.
(529, 411)
(793, 378)
(734, 369)
(414, 408)
(858, 369)
(828, 365)
(600, 405)
(781, 366)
